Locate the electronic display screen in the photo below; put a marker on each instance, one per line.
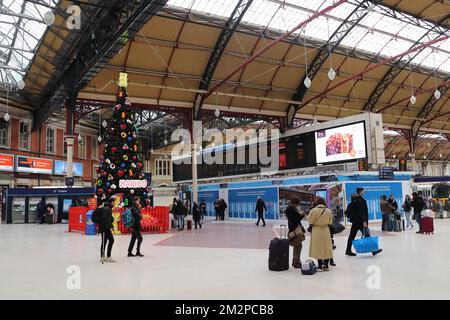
(341, 143)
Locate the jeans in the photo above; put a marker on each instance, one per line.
(135, 235)
(107, 237)
(180, 222)
(418, 217)
(353, 231)
(197, 223)
(384, 221)
(408, 219)
(296, 252)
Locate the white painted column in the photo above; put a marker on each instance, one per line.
(194, 174)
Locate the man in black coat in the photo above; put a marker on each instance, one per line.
(358, 214)
(136, 234)
(295, 218)
(260, 208)
(418, 205)
(106, 223)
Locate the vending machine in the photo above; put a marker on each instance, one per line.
(33, 209)
(18, 210)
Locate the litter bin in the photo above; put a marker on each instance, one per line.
(91, 227)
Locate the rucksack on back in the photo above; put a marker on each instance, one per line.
(127, 218)
(97, 215)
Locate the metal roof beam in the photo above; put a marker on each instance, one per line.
(324, 52)
(112, 30)
(427, 108)
(221, 44)
(398, 67)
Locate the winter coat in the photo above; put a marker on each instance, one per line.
(136, 212)
(260, 206)
(294, 218)
(357, 211)
(320, 246)
(385, 207)
(107, 219)
(196, 213)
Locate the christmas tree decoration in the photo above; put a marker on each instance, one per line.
(121, 161)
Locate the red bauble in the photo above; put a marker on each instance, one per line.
(140, 165)
(123, 126)
(134, 158)
(120, 173)
(105, 173)
(109, 190)
(98, 170)
(99, 191)
(114, 149)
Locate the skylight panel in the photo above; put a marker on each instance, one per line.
(216, 7)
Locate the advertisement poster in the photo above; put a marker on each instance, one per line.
(242, 202)
(67, 203)
(61, 168)
(209, 196)
(373, 193)
(6, 162)
(341, 143)
(34, 165)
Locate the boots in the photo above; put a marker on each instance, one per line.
(296, 264)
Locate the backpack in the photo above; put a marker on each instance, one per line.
(309, 268)
(97, 215)
(127, 218)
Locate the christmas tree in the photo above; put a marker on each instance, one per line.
(120, 169)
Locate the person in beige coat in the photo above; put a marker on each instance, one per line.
(320, 246)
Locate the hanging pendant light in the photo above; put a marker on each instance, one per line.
(307, 82)
(104, 123)
(217, 113)
(6, 117)
(49, 18)
(165, 142)
(79, 138)
(331, 74)
(413, 99)
(437, 94)
(99, 139)
(21, 84)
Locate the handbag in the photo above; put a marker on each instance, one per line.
(311, 225)
(366, 244)
(296, 237)
(336, 227)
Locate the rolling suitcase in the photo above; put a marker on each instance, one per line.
(279, 252)
(426, 225)
(189, 224)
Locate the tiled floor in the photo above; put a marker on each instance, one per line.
(223, 260)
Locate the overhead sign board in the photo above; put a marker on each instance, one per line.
(6, 162)
(34, 165)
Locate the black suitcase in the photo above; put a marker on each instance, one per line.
(279, 252)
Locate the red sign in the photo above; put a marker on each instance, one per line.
(6, 162)
(34, 165)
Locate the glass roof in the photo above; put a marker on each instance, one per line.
(377, 33)
(21, 28)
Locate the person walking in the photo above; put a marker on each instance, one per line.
(180, 213)
(196, 215)
(320, 246)
(295, 218)
(407, 207)
(260, 208)
(106, 224)
(203, 209)
(358, 214)
(418, 205)
(217, 208)
(41, 212)
(136, 234)
(386, 210)
(222, 207)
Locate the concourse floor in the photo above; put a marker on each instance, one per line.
(223, 260)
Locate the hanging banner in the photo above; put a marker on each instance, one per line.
(34, 165)
(61, 168)
(6, 162)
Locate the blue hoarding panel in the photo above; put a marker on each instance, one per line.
(242, 202)
(373, 193)
(210, 197)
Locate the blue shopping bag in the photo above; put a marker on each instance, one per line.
(366, 244)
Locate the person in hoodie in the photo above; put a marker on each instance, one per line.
(106, 224)
(136, 234)
(196, 215)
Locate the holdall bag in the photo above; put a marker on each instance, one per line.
(279, 252)
(309, 267)
(296, 237)
(336, 227)
(127, 218)
(366, 244)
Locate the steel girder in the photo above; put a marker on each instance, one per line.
(399, 66)
(107, 35)
(221, 44)
(436, 149)
(426, 110)
(324, 53)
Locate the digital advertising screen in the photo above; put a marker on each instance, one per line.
(61, 168)
(34, 165)
(343, 143)
(6, 162)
